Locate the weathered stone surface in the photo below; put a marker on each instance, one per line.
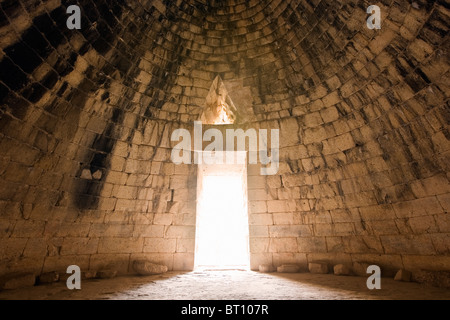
(266, 268)
(107, 274)
(434, 278)
(48, 277)
(360, 268)
(403, 275)
(85, 130)
(86, 174)
(85, 275)
(341, 270)
(288, 268)
(64, 276)
(143, 267)
(318, 267)
(183, 262)
(16, 281)
(97, 175)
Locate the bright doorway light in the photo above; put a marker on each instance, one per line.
(222, 218)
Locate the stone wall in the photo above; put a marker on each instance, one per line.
(86, 116)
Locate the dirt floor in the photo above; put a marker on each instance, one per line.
(230, 285)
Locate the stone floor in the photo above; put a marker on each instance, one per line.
(230, 285)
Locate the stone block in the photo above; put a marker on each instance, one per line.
(72, 246)
(313, 244)
(266, 268)
(11, 247)
(277, 206)
(343, 229)
(120, 245)
(434, 278)
(145, 268)
(63, 277)
(341, 270)
(313, 119)
(261, 219)
(343, 142)
(60, 263)
(408, 244)
(334, 244)
(163, 219)
(418, 207)
(323, 229)
(389, 264)
(107, 274)
(377, 213)
(72, 229)
(148, 231)
(384, 227)
(258, 207)
(185, 232)
(331, 99)
(289, 132)
(330, 114)
(48, 277)
(160, 245)
(258, 245)
(288, 268)
(289, 231)
(258, 232)
(283, 218)
(360, 268)
(274, 182)
(91, 274)
(125, 205)
(185, 245)
(444, 200)
(318, 267)
(164, 259)
(36, 247)
(86, 174)
(283, 245)
(258, 194)
(315, 135)
(423, 224)
(403, 275)
(256, 182)
(28, 229)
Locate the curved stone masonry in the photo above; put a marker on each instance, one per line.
(86, 117)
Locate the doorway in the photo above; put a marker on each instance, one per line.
(221, 240)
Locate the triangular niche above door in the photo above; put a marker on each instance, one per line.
(219, 108)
